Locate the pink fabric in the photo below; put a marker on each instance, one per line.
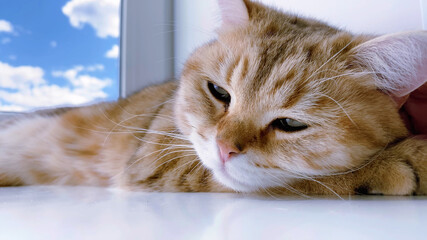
(414, 111)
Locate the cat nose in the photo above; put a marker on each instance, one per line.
(226, 150)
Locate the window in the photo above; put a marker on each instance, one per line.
(58, 53)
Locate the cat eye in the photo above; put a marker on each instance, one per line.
(219, 93)
(289, 125)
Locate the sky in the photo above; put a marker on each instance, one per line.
(58, 53)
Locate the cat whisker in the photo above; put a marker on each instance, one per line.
(323, 80)
(167, 154)
(163, 103)
(168, 133)
(291, 189)
(140, 139)
(330, 59)
(306, 177)
(357, 74)
(188, 146)
(361, 166)
(147, 155)
(162, 133)
(170, 160)
(125, 120)
(139, 159)
(276, 181)
(180, 148)
(149, 131)
(267, 190)
(187, 163)
(342, 108)
(198, 165)
(132, 117)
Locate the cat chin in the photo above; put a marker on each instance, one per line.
(222, 176)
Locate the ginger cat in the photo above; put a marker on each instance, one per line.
(277, 103)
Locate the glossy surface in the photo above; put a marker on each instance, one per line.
(98, 213)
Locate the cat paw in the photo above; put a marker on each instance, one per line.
(394, 178)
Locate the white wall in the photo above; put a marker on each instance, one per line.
(196, 19)
(424, 11)
(359, 16)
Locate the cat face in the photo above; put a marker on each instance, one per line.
(279, 98)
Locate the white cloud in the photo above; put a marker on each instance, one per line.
(20, 77)
(5, 26)
(6, 40)
(113, 52)
(49, 95)
(102, 15)
(96, 67)
(53, 44)
(11, 108)
(24, 87)
(84, 81)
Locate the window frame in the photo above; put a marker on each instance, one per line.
(145, 34)
(147, 38)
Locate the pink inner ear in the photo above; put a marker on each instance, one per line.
(234, 13)
(419, 51)
(420, 78)
(412, 95)
(401, 59)
(414, 111)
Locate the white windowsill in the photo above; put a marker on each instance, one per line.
(99, 213)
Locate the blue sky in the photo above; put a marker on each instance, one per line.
(60, 52)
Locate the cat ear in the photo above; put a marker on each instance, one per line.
(234, 13)
(398, 61)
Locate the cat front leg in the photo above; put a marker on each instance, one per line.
(413, 152)
(400, 169)
(393, 175)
